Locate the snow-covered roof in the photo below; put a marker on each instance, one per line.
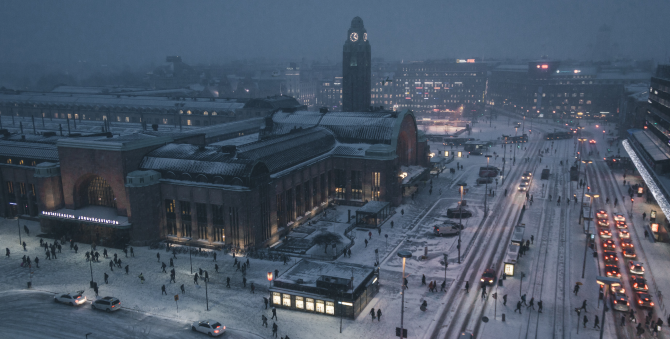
(309, 271)
(243, 140)
(231, 127)
(372, 207)
(28, 150)
(187, 158)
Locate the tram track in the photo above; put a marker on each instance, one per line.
(460, 314)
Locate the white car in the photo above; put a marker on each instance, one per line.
(108, 304)
(73, 299)
(619, 217)
(211, 327)
(523, 186)
(636, 267)
(623, 234)
(527, 175)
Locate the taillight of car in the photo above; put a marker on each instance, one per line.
(652, 304)
(627, 303)
(615, 301)
(113, 306)
(639, 302)
(224, 327)
(635, 285)
(216, 331)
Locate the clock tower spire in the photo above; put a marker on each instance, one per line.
(356, 69)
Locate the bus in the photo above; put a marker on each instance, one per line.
(559, 135)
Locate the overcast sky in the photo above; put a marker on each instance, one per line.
(135, 32)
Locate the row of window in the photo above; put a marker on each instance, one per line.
(307, 304)
(186, 227)
(21, 162)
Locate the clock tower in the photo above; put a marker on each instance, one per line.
(356, 69)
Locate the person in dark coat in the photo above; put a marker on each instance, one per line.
(200, 270)
(216, 268)
(132, 252)
(126, 269)
(265, 300)
(228, 282)
(585, 321)
(95, 289)
(274, 329)
(505, 300)
(539, 306)
(214, 256)
(195, 278)
(163, 266)
(373, 314)
(253, 288)
(244, 281)
(518, 307)
(596, 322)
(106, 278)
(379, 314)
(158, 256)
(265, 320)
(7, 252)
(171, 263)
(24, 245)
(111, 266)
(183, 291)
(125, 251)
(423, 279)
(274, 313)
(206, 276)
(172, 278)
(163, 290)
(467, 287)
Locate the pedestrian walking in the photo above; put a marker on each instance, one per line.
(265, 300)
(644, 215)
(584, 306)
(171, 263)
(531, 303)
(483, 292)
(379, 314)
(158, 255)
(206, 276)
(125, 251)
(111, 266)
(518, 307)
(25, 229)
(576, 289)
(163, 266)
(7, 252)
(505, 300)
(373, 314)
(423, 279)
(216, 268)
(195, 278)
(444, 284)
(253, 288)
(183, 290)
(172, 278)
(37, 262)
(274, 329)
(265, 320)
(200, 270)
(126, 269)
(163, 290)
(244, 282)
(366, 243)
(467, 287)
(174, 254)
(228, 282)
(274, 313)
(539, 306)
(523, 300)
(646, 234)
(532, 239)
(48, 254)
(106, 278)
(349, 252)
(132, 252)
(95, 289)
(585, 321)
(214, 256)
(596, 322)
(24, 245)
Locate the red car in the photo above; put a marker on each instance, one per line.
(609, 244)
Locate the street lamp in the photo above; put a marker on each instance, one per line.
(404, 255)
(581, 148)
(591, 195)
(587, 162)
(270, 278)
(18, 225)
(460, 218)
(608, 282)
(488, 157)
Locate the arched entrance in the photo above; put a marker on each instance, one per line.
(95, 191)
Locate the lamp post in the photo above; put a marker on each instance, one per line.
(404, 255)
(460, 218)
(591, 195)
(516, 141)
(270, 278)
(488, 157)
(606, 281)
(446, 256)
(18, 225)
(587, 162)
(581, 150)
(206, 294)
(189, 258)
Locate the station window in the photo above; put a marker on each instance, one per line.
(320, 306)
(299, 303)
(330, 307)
(309, 305)
(286, 300)
(276, 298)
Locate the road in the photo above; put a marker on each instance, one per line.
(34, 314)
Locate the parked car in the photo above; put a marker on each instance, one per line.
(446, 229)
(488, 277)
(629, 253)
(454, 213)
(620, 302)
(639, 283)
(108, 304)
(73, 299)
(644, 299)
(635, 267)
(210, 327)
(619, 217)
(623, 234)
(605, 233)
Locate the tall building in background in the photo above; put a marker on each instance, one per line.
(356, 69)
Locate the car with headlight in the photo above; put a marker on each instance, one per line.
(524, 186)
(620, 302)
(639, 283)
(72, 299)
(617, 288)
(609, 244)
(627, 243)
(603, 223)
(210, 327)
(488, 277)
(527, 175)
(623, 234)
(619, 217)
(612, 271)
(602, 214)
(629, 253)
(605, 233)
(108, 304)
(621, 225)
(635, 267)
(610, 257)
(644, 299)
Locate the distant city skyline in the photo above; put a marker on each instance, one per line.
(131, 33)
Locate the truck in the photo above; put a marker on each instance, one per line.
(545, 174)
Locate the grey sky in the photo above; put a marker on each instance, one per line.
(133, 32)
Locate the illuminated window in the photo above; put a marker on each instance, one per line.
(188, 122)
(213, 113)
(181, 112)
(188, 112)
(276, 298)
(165, 121)
(10, 187)
(330, 307)
(33, 163)
(118, 118)
(9, 161)
(376, 183)
(99, 193)
(76, 116)
(309, 305)
(205, 113)
(320, 307)
(69, 116)
(21, 162)
(127, 119)
(299, 303)
(286, 300)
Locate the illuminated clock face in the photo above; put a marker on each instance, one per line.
(353, 37)
(365, 36)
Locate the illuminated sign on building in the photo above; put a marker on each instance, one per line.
(80, 218)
